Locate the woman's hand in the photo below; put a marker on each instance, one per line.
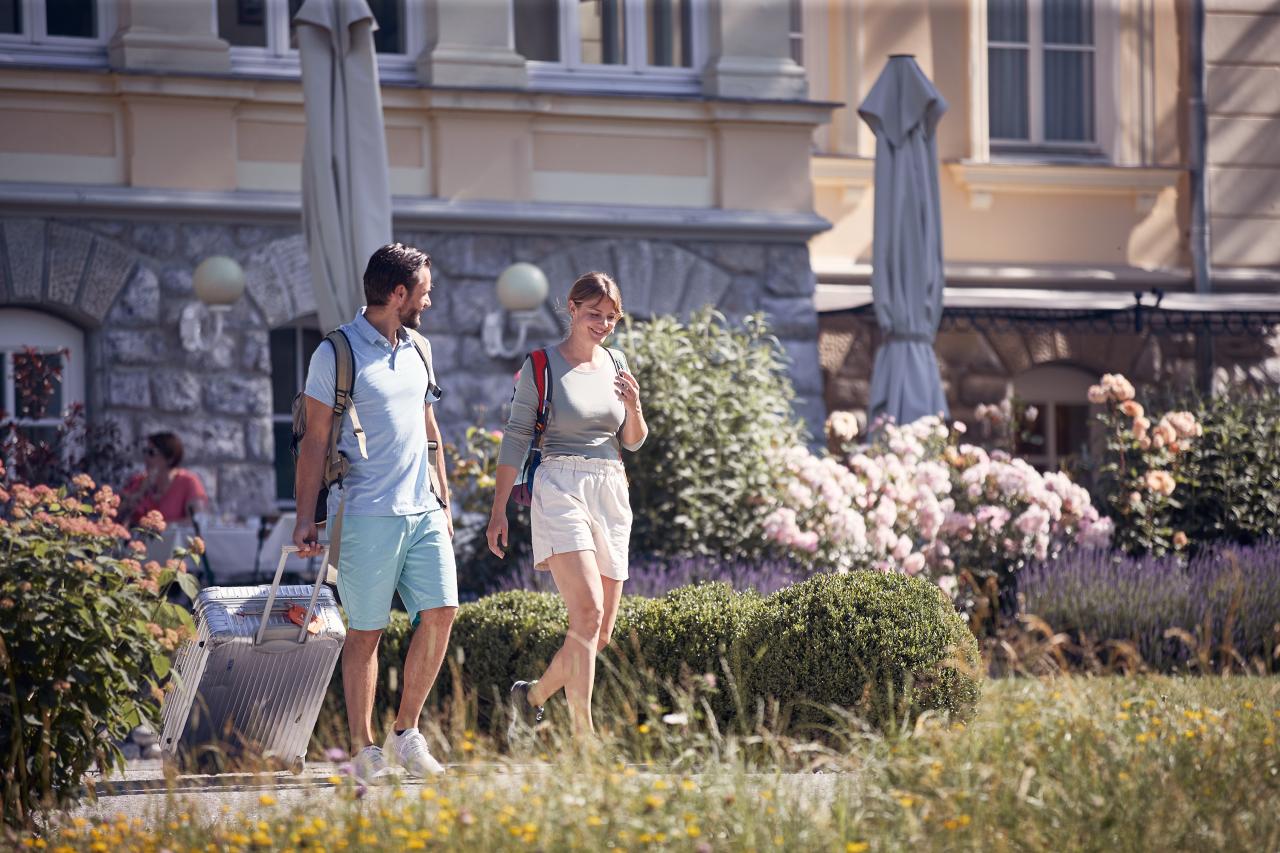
(497, 533)
(628, 390)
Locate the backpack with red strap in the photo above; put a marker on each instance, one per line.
(522, 493)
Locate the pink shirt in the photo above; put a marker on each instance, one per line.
(185, 489)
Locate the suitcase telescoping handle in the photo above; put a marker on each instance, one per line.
(275, 588)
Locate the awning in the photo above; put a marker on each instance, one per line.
(1004, 308)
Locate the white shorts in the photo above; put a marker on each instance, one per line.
(581, 504)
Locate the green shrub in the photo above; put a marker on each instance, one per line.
(1232, 472)
(886, 646)
(693, 631)
(716, 400)
(85, 638)
(858, 641)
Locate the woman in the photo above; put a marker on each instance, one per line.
(175, 492)
(580, 514)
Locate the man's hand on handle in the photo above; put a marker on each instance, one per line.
(306, 538)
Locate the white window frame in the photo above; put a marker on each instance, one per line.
(36, 47)
(21, 328)
(1035, 47)
(301, 359)
(572, 74)
(278, 59)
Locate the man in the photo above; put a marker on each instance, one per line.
(396, 530)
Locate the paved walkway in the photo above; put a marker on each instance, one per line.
(143, 791)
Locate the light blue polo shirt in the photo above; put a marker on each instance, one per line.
(390, 394)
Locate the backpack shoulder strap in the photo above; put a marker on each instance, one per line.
(423, 346)
(541, 377)
(616, 357)
(344, 364)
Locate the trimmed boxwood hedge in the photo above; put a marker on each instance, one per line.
(886, 646)
(882, 646)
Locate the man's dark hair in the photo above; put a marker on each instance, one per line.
(169, 445)
(394, 264)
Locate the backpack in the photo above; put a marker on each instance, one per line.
(336, 463)
(522, 492)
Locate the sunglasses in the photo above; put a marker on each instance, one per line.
(150, 451)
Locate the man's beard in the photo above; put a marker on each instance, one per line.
(411, 319)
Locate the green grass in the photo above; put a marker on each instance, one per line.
(1145, 763)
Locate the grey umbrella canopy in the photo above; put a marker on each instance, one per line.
(346, 195)
(903, 109)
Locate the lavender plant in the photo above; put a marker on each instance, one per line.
(1220, 607)
(655, 577)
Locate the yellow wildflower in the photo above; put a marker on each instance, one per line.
(266, 800)
(857, 847)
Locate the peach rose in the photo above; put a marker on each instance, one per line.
(1161, 482)
(1131, 408)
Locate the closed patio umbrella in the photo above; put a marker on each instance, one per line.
(903, 109)
(346, 196)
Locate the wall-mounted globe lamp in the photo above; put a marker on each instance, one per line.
(522, 292)
(219, 283)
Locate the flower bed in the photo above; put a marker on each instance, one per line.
(1218, 609)
(1107, 764)
(85, 638)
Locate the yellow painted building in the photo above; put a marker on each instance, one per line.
(1069, 182)
(704, 151)
(665, 141)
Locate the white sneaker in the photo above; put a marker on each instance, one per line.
(410, 751)
(370, 766)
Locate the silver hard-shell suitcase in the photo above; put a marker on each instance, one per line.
(252, 681)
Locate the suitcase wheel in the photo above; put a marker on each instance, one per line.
(298, 764)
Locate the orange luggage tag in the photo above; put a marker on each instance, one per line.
(295, 614)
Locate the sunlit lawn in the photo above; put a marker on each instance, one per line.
(1066, 764)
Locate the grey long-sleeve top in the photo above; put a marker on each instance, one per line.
(584, 418)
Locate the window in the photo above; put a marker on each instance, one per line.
(796, 34)
(264, 39)
(1059, 436)
(291, 349)
(618, 45)
(56, 32)
(1040, 70)
(42, 362)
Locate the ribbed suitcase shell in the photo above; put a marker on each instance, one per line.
(244, 699)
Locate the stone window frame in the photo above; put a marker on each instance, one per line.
(572, 75)
(23, 327)
(279, 59)
(301, 358)
(1049, 387)
(36, 47)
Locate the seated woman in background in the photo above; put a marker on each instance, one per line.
(176, 492)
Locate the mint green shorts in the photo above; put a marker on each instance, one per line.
(385, 554)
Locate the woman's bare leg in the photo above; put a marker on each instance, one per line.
(574, 666)
(612, 597)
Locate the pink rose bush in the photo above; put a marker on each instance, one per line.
(1142, 466)
(918, 500)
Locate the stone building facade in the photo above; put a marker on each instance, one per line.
(126, 285)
